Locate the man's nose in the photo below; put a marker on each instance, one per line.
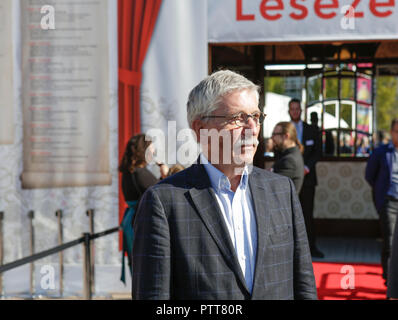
(251, 123)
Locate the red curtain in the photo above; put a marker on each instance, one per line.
(136, 21)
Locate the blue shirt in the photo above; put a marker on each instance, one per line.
(393, 190)
(299, 129)
(238, 213)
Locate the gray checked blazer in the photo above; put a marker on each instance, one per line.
(182, 248)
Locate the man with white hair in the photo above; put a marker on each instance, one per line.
(222, 229)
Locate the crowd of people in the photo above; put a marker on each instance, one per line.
(223, 229)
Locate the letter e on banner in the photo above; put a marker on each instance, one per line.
(348, 280)
(48, 21)
(304, 10)
(265, 7)
(374, 4)
(319, 6)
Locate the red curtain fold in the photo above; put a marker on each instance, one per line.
(136, 22)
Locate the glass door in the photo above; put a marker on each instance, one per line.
(340, 97)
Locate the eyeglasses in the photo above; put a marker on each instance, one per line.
(241, 119)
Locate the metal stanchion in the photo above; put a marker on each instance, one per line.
(90, 214)
(87, 267)
(31, 216)
(1, 252)
(58, 214)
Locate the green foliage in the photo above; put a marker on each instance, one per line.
(275, 85)
(386, 101)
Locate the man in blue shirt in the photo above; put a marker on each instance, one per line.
(309, 137)
(382, 175)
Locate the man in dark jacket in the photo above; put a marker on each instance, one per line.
(309, 138)
(222, 229)
(382, 175)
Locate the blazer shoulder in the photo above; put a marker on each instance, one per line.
(381, 150)
(296, 155)
(178, 180)
(268, 176)
(193, 177)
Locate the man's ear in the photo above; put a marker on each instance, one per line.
(196, 126)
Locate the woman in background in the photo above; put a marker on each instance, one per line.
(136, 178)
(288, 153)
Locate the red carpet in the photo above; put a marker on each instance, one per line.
(345, 281)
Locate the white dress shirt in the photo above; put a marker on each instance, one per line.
(238, 214)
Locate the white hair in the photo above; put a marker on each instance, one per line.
(206, 96)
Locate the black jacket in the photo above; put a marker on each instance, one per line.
(312, 153)
(143, 180)
(290, 163)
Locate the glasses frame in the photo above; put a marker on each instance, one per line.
(237, 120)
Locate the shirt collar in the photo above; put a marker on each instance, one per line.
(298, 124)
(218, 180)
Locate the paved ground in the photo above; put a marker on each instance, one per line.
(359, 250)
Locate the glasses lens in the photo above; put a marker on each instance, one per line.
(243, 118)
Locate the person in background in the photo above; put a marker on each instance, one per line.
(382, 137)
(222, 229)
(382, 175)
(309, 138)
(136, 178)
(175, 168)
(288, 157)
(314, 120)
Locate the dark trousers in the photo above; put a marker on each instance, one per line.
(307, 194)
(388, 217)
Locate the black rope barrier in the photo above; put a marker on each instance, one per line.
(43, 254)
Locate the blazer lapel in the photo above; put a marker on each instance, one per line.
(261, 210)
(207, 207)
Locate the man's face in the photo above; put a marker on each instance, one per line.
(394, 135)
(295, 111)
(278, 138)
(232, 144)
